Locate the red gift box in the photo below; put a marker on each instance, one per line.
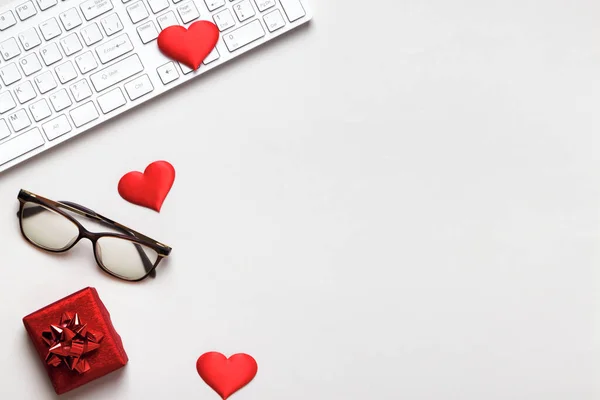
(76, 340)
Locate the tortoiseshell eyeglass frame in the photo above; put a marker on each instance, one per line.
(129, 234)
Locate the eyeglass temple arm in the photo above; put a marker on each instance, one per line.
(94, 215)
(86, 212)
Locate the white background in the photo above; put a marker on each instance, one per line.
(399, 201)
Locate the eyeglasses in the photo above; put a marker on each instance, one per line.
(49, 225)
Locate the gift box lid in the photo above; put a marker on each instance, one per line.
(84, 343)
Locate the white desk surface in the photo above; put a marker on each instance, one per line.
(400, 201)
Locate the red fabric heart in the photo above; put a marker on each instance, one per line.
(149, 189)
(226, 375)
(189, 46)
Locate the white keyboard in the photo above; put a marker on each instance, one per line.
(67, 66)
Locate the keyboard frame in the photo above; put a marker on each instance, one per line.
(149, 54)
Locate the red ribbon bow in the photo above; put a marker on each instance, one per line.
(69, 342)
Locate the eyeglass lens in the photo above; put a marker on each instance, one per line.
(47, 228)
(124, 258)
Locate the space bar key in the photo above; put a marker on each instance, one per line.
(116, 73)
(20, 145)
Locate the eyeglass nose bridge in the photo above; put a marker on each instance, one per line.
(85, 234)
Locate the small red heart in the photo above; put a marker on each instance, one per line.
(226, 375)
(149, 189)
(189, 46)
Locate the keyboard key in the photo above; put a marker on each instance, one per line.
(138, 87)
(71, 44)
(7, 102)
(91, 34)
(111, 101)
(158, 5)
(86, 62)
(147, 32)
(10, 49)
(94, 8)
(185, 69)
(116, 73)
(56, 127)
(224, 20)
(167, 73)
(293, 9)
(167, 19)
(244, 10)
(81, 90)
(84, 114)
(70, 19)
(19, 120)
(50, 29)
(213, 56)
(60, 100)
(4, 131)
(243, 36)
(188, 12)
(46, 4)
(40, 110)
(26, 10)
(274, 20)
(50, 54)
(30, 64)
(212, 5)
(29, 39)
(7, 20)
(264, 5)
(137, 12)
(45, 82)
(25, 92)
(66, 72)
(10, 74)
(20, 145)
(114, 48)
(112, 24)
